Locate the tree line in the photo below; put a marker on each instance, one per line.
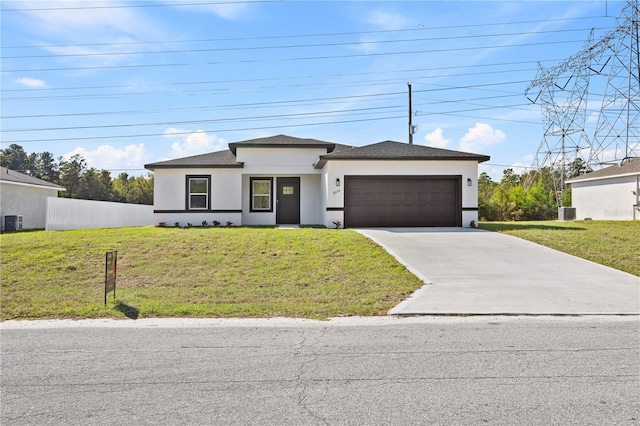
(79, 180)
(527, 196)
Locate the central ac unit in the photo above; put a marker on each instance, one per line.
(13, 223)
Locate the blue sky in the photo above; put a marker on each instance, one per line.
(127, 83)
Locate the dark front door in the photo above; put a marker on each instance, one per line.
(288, 200)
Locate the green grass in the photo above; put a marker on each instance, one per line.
(611, 243)
(199, 272)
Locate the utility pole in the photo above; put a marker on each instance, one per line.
(410, 117)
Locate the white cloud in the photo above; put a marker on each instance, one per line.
(31, 82)
(108, 157)
(193, 143)
(480, 137)
(229, 11)
(366, 45)
(436, 139)
(388, 20)
(73, 18)
(68, 21)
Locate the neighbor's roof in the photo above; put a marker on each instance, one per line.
(11, 176)
(283, 141)
(625, 168)
(219, 159)
(391, 150)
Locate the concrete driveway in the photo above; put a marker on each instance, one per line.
(471, 271)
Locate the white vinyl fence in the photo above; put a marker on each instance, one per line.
(67, 213)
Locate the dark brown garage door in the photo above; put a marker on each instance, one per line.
(384, 201)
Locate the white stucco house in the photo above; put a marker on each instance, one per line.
(612, 193)
(26, 196)
(288, 180)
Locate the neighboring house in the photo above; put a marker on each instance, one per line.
(611, 193)
(26, 196)
(287, 180)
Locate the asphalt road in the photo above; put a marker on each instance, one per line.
(386, 371)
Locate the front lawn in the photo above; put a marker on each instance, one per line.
(199, 272)
(612, 243)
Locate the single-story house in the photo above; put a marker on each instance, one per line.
(26, 197)
(611, 193)
(288, 180)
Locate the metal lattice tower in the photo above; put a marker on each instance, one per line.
(564, 94)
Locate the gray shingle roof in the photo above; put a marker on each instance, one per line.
(218, 159)
(387, 150)
(227, 159)
(391, 150)
(282, 141)
(8, 175)
(630, 167)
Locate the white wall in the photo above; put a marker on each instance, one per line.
(605, 199)
(169, 186)
(337, 169)
(68, 213)
(27, 200)
(169, 196)
(310, 212)
(283, 161)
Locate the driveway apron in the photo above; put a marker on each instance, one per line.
(472, 271)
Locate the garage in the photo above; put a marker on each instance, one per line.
(394, 201)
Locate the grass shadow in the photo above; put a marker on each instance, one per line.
(515, 226)
(130, 312)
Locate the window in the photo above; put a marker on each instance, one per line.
(261, 200)
(287, 190)
(198, 191)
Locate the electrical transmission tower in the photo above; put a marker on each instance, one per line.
(606, 72)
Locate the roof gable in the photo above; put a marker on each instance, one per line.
(282, 141)
(631, 167)
(392, 150)
(11, 176)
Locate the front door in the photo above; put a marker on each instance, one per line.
(288, 200)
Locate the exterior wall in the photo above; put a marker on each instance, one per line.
(169, 199)
(337, 169)
(66, 214)
(310, 212)
(27, 200)
(606, 199)
(284, 161)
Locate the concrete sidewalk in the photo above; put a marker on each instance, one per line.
(471, 271)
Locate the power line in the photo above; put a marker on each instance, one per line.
(288, 78)
(302, 58)
(297, 46)
(209, 3)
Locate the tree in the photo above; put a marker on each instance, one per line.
(46, 168)
(136, 190)
(15, 158)
(70, 173)
(143, 190)
(486, 188)
(577, 168)
(95, 185)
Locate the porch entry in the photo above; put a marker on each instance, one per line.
(288, 200)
